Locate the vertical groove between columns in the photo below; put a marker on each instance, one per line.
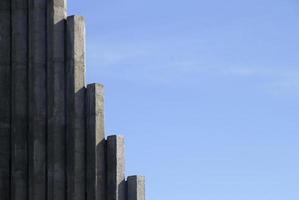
(28, 94)
(10, 106)
(65, 114)
(46, 104)
(47, 100)
(27, 97)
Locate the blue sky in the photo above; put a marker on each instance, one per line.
(205, 92)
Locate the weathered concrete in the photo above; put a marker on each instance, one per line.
(136, 188)
(5, 61)
(37, 99)
(19, 69)
(56, 180)
(95, 138)
(115, 168)
(52, 141)
(76, 108)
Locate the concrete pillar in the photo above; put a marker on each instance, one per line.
(76, 108)
(5, 76)
(115, 168)
(95, 157)
(19, 69)
(37, 99)
(56, 99)
(136, 188)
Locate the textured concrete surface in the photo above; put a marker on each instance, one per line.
(115, 168)
(19, 120)
(5, 23)
(76, 156)
(37, 100)
(52, 140)
(136, 188)
(95, 159)
(56, 100)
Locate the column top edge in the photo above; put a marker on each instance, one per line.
(135, 177)
(95, 85)
(75, 17)
(115, 137)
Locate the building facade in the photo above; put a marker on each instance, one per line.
(52, 140)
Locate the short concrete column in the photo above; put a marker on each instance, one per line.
(115, 168)
(136, 188)
(76, 129)
(95, 139)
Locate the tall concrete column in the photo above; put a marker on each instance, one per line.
(95, 140)
(19, 69)
(5, 88)
(37, 99)
(56, 99)
(136, 188)
(76, 108)
(115, 168)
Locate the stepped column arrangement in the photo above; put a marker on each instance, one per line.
(52, 139)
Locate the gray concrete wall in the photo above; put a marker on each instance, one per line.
(52, 140)
(5, 88)
(95, 157)
(76, 176)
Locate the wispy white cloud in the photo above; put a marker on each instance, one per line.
(146, 62)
